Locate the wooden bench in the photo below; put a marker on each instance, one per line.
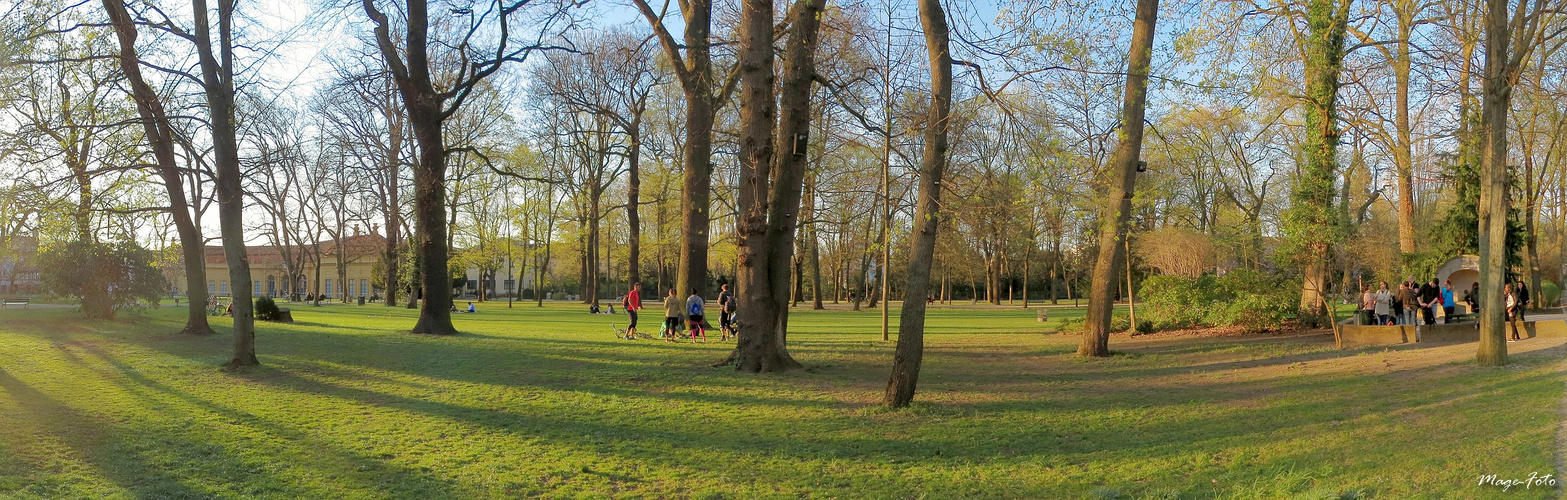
(6, 303)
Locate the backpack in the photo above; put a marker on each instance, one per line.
(695, 309)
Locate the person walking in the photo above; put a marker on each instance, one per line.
(1368, 306)
(1430, 298)
(1511, 296)
(1474, 298)
(1523, 298)
(674, 313)
(632, 303)
(1449, 306)
(1384, 303)
(726, 312)
(695, 306)
(1408, 301)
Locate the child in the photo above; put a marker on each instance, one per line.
(694, 306)
(673, 313)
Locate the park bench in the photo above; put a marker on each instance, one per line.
(7, 302)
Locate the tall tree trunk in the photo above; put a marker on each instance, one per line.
(772, 176)
(1028, 255)
(1311, 222)
(593, 251)
(910, 352)
(814, 244)
(160, 137)
(1118, 201)
(426, 116)
(633, 217)
(1055, 266)
(342, 259)
(1403, 158)
(1496, 98)
(393, 209)
(218, 83)
(694, 71)
(415, 287)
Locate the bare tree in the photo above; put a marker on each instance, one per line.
(772, 176)
(428, 109)
(910, 352)
(694, 70)
(217, 76)
(160, 137)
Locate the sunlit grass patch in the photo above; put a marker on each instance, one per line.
(546, 402)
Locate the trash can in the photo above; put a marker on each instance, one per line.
(361, 300)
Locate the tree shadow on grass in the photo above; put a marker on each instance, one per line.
(323, 457)
(99, 444)
(1124, 372)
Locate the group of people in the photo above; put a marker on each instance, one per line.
(1416, 303)
(683, 318)
(1412, 304)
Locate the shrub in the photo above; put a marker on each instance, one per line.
(105, 278)
(1242, 298)
(1175, 302)
(266, 309)
(1118, 323)
(1550, 295)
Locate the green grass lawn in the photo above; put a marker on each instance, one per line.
(531, 402)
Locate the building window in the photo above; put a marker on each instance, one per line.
(329, 288)
(364, 287)
(258, 288)
(210, 288)
(223, 287)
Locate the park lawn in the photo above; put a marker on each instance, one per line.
(547, 403)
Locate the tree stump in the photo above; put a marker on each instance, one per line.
(284, 315)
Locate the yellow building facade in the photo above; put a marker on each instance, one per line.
(271, 268)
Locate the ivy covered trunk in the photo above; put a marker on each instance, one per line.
(1311, 225)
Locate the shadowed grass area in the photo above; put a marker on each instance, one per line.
(546, 402)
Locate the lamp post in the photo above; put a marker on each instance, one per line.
(510, 289)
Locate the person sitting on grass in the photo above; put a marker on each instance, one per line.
(471, 308)
(673, 313)
(694, 309)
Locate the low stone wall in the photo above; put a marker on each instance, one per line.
(1364, 335)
